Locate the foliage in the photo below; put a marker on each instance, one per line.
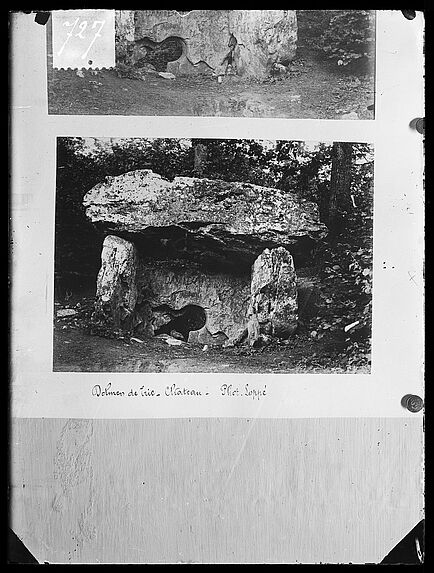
(236, 160)
(344, 36)
(311, 25)
(346, 263)
(349, 36)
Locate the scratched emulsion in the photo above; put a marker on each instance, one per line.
(74, 483)
(216, 490)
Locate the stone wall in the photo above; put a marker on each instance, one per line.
(250, 40)
(224, 297)
(141, 296)
(124, 33)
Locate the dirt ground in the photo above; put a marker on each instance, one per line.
(314, 88)
(75, 350)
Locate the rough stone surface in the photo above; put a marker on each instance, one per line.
(177, 284)
(116, 293)
(203, 219)
(260, 38)
(124, 33)
(151, 298)
(273, 302)
(66, 312)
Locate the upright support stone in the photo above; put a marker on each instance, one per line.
(116, 294)
(273, 302)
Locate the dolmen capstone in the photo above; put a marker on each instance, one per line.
(252, 41)
(208, 260)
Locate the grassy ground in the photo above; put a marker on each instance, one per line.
(314, 89)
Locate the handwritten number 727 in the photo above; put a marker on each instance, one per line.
(82, 27)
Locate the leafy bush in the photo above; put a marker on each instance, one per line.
(311, 25)
(349, 36)
(344, 36)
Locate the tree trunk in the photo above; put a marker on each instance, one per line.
(340, 184)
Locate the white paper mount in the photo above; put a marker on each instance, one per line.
(83, 39)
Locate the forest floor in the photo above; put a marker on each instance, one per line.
(314, 88)
(320, 351)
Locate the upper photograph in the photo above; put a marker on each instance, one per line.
(294, 64)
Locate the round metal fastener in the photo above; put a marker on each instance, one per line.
(412, 402)
(418, 123)
(409, 14)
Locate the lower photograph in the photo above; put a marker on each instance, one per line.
(213, 255)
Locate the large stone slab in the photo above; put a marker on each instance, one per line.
(255, 39)
(202, 219)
